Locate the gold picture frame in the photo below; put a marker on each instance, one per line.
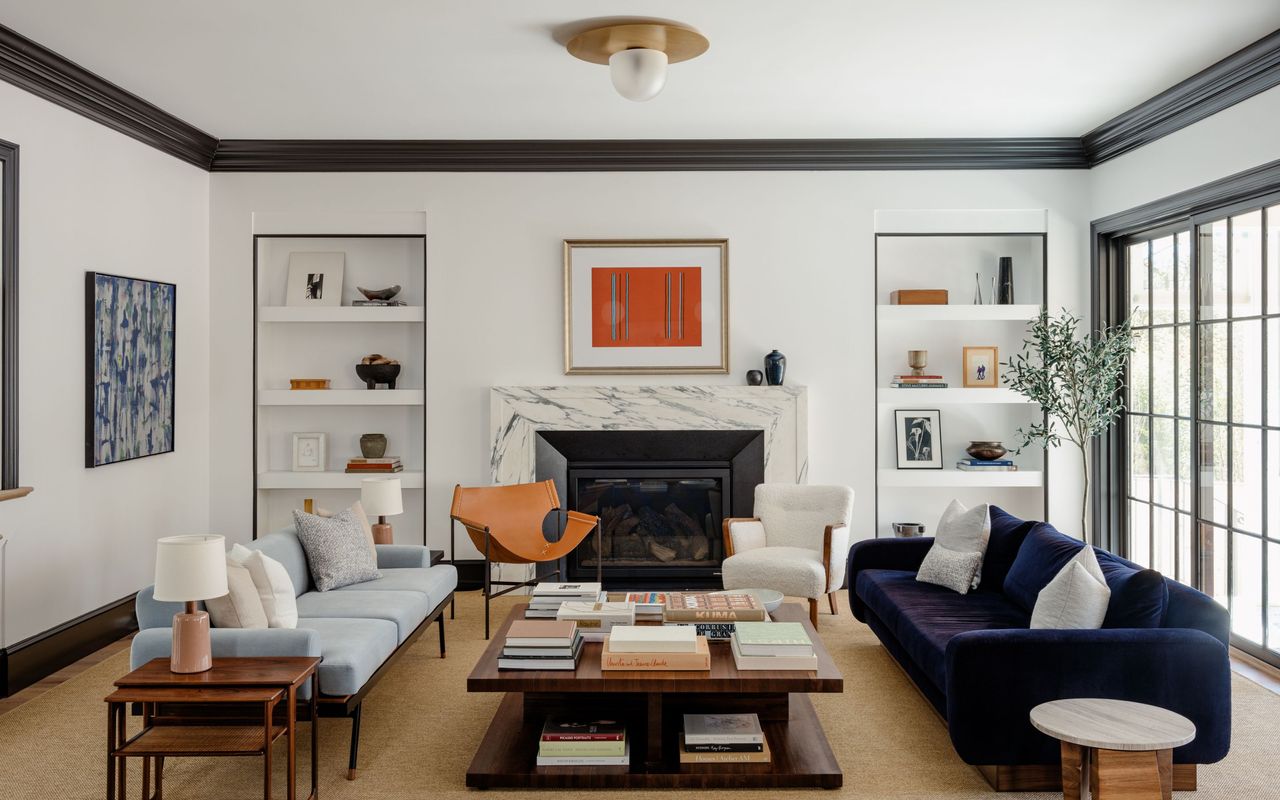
(981, 367)
(692, 337)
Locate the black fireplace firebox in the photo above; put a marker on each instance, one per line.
(661, 496)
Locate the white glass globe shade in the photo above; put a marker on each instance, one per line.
(638, 74)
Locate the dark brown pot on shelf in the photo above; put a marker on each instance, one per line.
(986, 451)
(373, 445)
(374, 374)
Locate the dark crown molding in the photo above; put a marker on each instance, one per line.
(1237, 77)
(641, 155)
(39, 70)
(46, 74)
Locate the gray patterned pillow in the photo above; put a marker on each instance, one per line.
(949, 568)
(336, 550)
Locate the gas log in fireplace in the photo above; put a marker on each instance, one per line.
(661, 496)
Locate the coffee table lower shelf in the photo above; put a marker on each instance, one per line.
(801, 758)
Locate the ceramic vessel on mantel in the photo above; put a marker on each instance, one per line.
(775, 368)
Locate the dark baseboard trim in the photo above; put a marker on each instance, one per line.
(46, 74)
(45, 653)
(643, 155)
(1237, 77)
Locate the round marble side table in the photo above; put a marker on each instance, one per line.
(1114, 749)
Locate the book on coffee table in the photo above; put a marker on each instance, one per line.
(723, 729)
(704, 607)
(700, 659)
(587, 761)
(542, 633)
(687, 756)
(557, 729)
(773, 639)
(745, 662)
(653, 639)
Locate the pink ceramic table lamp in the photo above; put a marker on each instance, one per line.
(381, 498)
(190, 568)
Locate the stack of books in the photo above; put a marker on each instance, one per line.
(541, 644)
(772, 645)
(373, 465)
(712, 615)
(547, 597)
(395, 303)
(719, 738)
(654, 647)
(565, 743)
(918, 382)
(648, 604)
(596, 619)
(978, 465)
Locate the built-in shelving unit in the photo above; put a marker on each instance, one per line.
(923, 249)
(327, 342)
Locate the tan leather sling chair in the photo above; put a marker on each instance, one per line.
(505, 523)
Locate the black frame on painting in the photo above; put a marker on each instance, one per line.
(90, 333)
(8, 315)
(937, 434)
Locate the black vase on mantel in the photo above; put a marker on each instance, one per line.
(754, 377)
(775, 368)
(1004, 285)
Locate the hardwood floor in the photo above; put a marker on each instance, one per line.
(66, 673)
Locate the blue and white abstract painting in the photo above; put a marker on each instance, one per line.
(130, 369)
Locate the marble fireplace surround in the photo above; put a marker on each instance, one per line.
(517, 413)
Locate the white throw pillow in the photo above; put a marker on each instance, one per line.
(241, 606)
(1076, 598)
(964, 531)
(274, 586)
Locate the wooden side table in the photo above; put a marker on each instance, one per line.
(265, 682)
(1114, 749)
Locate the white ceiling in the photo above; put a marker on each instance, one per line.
(493, 69)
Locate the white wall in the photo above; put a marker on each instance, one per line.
(1233, 140)
(92, 199)
(801, 280)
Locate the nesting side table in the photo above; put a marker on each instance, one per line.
(1114, 748)
(235, 683)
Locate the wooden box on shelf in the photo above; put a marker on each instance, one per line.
(308, 383)
(918, 297)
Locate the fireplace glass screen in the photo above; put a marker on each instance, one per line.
(652, 520)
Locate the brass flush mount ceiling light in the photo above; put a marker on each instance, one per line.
(638, 53)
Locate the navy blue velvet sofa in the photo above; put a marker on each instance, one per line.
(975, 658)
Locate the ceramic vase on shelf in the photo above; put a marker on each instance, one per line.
(1005, 282)
(775, 368)
(373, 445)
(754, 377)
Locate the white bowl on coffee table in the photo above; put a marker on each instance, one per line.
(768, 598)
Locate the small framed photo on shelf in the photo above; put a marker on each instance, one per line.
(315, 279)
(919, 438)
(981, 367)
(309, 452)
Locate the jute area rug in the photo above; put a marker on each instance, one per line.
(421, 728)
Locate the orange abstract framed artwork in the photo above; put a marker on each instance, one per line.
(646, 306)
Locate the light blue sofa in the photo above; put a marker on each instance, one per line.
(357, 631)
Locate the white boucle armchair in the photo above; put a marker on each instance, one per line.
(796, 544)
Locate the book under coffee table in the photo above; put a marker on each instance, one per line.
(652, 704)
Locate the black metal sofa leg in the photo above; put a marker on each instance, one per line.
(440, 622)
(355, 741)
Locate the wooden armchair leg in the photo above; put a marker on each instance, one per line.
(813, 611)
(831, 599)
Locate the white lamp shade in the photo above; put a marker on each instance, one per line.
(190, 568)
(638, 74)
(380, 497)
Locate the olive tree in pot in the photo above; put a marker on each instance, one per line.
(1077, 379)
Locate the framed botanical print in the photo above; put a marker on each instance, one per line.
(981, 367)
(918, 434)
(646, 306)
(130, 363)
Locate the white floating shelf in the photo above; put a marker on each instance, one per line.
(959, 313)
(341, 397)
(342, 314)
(332, 480)
(949, 478)
(948, 396)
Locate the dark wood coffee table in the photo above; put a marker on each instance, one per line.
(652, 704)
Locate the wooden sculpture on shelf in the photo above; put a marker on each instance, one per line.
(505, 524)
